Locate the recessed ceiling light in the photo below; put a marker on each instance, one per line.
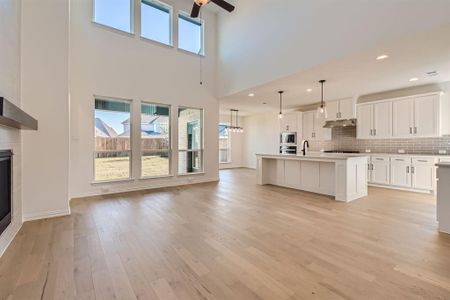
(383, 56)
(251, 95)
(309, 90)
(413, 79)
(264, 103)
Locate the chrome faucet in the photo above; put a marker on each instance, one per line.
(305, 147)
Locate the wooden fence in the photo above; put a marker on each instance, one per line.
(123, 143)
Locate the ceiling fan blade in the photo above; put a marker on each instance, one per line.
(225, 5)
(195, 11)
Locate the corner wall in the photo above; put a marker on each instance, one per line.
(10, 89)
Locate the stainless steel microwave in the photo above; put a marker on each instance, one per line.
(288, 138)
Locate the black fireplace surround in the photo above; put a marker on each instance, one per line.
(5, 188)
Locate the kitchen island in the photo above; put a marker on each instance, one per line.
(339, 175)
(443, 196)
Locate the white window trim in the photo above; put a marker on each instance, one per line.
(130, 178)
(170, 150)
(118, 30)
(229, 161)
(202, 144)
(202, 22)
(165, 5)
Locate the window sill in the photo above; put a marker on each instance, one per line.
(225, 163)
(188, 174)
(112, 181)
(148, 40)
(113, 29)
(156, 177)
(192, 53)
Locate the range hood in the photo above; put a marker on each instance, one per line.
(12, 116)
(340, 123)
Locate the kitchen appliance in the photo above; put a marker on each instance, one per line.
(5, 188)
(340, 123)
(288, 138)
(288, 150)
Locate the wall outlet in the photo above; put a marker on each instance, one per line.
(368, 150)
(401, 151)
(442, 151)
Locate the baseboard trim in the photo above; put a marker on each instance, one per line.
(391, 187)
(191, 180)
(46, 215)
(9, 236)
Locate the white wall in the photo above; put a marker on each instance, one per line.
(237, 145)
(264, 40)
(109, 63)
(45, 96)
(10, 89)
(261, 135)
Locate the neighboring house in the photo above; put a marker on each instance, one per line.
(103, 130)
(150, 125)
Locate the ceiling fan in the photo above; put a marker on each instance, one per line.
(199, 3)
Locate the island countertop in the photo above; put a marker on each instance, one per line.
(315, 156)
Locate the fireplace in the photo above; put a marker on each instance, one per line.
(5, 188)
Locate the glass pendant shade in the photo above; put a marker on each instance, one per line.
(201, 2)
(280, 115)
(322, 112)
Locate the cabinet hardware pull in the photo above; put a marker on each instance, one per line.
(415, 130)
(371, 131)
(374, 132)
(380, 159)
(421, 160)
(399, 159)
(337, 115)
(407, 169)
(410, 130)
(412, 170)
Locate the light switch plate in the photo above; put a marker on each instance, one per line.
(368, 150)
(442, 151)
(401, 151)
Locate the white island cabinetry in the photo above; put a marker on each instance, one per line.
(340, 176)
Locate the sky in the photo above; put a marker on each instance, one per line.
(112, 119)
(155, 23)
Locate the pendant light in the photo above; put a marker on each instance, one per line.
(322, 109)
(280, 115)
(234, 128)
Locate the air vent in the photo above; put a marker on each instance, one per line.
(432, 73)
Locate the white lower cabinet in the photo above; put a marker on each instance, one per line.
(379, 170)
(416, 173)
(292, 173)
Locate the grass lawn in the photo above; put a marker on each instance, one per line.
(118, 167)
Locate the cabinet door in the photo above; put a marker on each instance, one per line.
(320, 133)
(289, 122)
(347, 109)
(382, 120)
(332, 110)
(308, 125)
(423, 177)
(381, 171)
(426, 116)
(403, 118)
(364, 121)
(292, 173)
(401, 174)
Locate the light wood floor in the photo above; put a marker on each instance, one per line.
(232, 240)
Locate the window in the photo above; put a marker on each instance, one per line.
(190, 140)
(114, 13)
(156, 21)
(112, 154)
(190, 34)
(224, 144)
(155, 140)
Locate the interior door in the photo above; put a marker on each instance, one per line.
(347, 109)
(382, 120)
(332, 110)
(426, 116)
(401, 174)
(364, 121)
(403, 124)
(308, 125)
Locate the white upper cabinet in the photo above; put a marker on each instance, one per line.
(417, 117)
(289, 122)
(313, 127)
(341, 110)
(403, 123)
(374, 121)
(426, 116)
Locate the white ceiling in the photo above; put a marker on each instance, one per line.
(355, 75)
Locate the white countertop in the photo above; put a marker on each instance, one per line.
(389, 154)
(443, 164)
(315, 156)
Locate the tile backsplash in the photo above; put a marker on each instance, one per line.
(344, 138)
